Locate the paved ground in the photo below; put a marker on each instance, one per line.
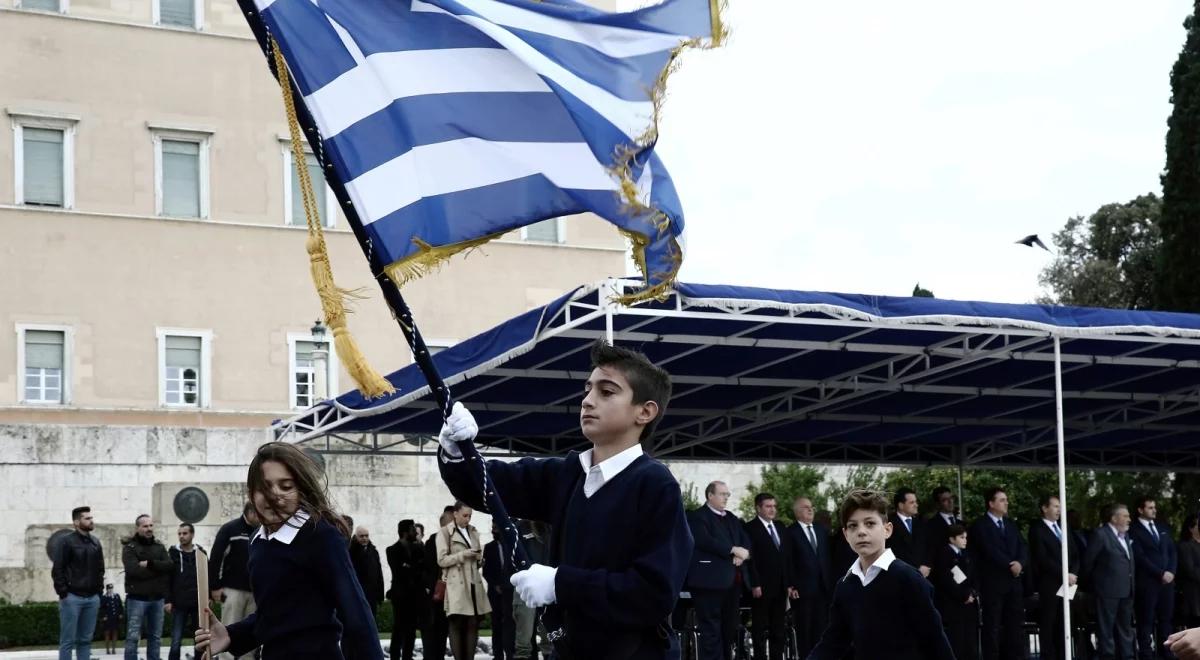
(98, 653)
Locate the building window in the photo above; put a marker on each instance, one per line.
(179, 13)
(181, 175)
(43, 360)
(44, 154)
(546, 231)
(304, 390)
(293, 200)
(184, 366)
(59, 6)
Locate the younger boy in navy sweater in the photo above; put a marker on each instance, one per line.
(882, 607)
(621, 544)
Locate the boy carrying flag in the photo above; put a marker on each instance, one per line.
(620, 544)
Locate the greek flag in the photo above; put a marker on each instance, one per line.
(450, 122)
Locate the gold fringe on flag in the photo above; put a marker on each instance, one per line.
(334, 299)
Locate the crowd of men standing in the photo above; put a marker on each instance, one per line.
(989, 577)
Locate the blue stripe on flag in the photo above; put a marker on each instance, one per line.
(628, 78)
(433, 118)
(314, 52)
(388, 27)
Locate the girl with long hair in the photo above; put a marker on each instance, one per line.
(310, 604)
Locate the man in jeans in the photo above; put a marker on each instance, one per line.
(78, 575)
(181, 592)
(228, 571)
(147, 576)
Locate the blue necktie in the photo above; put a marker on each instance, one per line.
(1154, 531)
(1057, 531)
(908, 524)
(1000, 524)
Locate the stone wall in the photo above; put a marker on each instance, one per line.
(121, 472)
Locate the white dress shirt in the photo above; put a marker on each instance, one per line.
(1124, 543)
(882, 564)
(286, 532)
(598, 475)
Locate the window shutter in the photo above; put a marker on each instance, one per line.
(180, 13)
(181, 178)
(545, 231)
(183, 352)
(46, 5)
(44, 349)
(43, 166)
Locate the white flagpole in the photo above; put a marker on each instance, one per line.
(1062, 496)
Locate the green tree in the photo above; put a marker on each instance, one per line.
(1108, 260)
(1179, 264)
(691, 498)
(859, 476)
(786, 482)
(918, 292)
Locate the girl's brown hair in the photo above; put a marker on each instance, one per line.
(312, 487)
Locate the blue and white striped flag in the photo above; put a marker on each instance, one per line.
(450, 122)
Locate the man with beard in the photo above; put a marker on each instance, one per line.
(409, 596)
(147, 577)
(78, 575)
(181, 595)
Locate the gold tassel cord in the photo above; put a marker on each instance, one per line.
(333, 298)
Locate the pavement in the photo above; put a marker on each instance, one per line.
(98, 654)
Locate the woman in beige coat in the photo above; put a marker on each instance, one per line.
(458, 554)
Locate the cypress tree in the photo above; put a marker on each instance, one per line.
(1179, 262)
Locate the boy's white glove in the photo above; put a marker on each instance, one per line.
(535, 585)
(458, 427)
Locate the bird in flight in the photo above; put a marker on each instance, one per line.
(1032, 240)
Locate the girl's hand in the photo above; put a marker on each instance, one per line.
(214, 639)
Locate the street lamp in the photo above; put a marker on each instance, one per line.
(319, 356)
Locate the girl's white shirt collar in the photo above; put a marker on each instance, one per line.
(286, 532)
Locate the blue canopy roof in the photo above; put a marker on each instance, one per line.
(763, 374)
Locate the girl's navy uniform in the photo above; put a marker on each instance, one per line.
(310, 604)
(622, 554)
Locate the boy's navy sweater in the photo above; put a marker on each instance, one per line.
(893, 618)
(302, 590)
(622, 554)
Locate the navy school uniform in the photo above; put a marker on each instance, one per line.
(622, 554)
(892, 617)
(960, 618)
(310, 604)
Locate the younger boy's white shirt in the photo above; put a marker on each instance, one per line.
(598, 475)
(881, 564)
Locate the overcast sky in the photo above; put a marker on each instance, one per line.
(867, 146)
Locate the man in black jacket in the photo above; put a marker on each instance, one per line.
(368, 567)
(719, 555)
(228, 568)
(182, 599)
(78, 575)
(812, 569)
(771, 581)
(945, 514)
(409, 596)
(1000, 557)
(147, 577)
(908, 533)
(1154, 588)
(1046, 537)
(497, 570)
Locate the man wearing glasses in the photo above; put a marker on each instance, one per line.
(716, 575)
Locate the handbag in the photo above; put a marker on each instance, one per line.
(439, 591)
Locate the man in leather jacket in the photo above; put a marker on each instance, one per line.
(78, 575)
(147, 579)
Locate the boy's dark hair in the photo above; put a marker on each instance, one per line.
(1045, 500)
(762, 497)
(648, 381)
(902, 495)
(189, 526)
(990, 494)
(860, 499)
(955, 530)
(78, 512)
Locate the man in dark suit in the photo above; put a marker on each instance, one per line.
(1154, 592)
(811, 568)
(1046, 537)
(770, 573)
(936, 525)
(908, 533)
(1108, 568)
(722, 547)
(955, 592)
(497, 569)
(1000, 556)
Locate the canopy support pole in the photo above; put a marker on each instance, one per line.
(1062, 497)
(962, 511)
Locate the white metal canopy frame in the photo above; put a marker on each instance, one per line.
(764, 375)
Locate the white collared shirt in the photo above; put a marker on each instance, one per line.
(948, 517)
(464, 534)
(882, 564)
(1149, 525)
(286, 532)
(1124, 543)
(1051, 524)
(995, 520)
(598, 475)
(719, 513)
